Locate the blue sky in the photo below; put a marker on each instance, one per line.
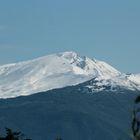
(108, 30)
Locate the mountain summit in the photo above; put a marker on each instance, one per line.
(59, 70)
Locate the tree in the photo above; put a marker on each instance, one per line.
(58, 138)
(136, 119)
(10, 135)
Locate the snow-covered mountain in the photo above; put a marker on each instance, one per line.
(100, 107)
(59, 70)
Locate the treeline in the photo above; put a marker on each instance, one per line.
(12, 135)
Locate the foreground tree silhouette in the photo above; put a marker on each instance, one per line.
(58, 139)
(10, 135)
(136, 119)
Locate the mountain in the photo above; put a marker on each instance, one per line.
(73, 113)
(68, 96)
(57, 71)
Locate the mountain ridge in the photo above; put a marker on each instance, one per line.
(56, 71)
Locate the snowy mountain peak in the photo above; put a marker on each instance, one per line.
(73, 58)
(68, 54)
(90, 66)
(55, 71)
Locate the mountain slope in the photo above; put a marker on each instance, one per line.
(135, 78)
(73, 113)
(56, 71)
(49, 72)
